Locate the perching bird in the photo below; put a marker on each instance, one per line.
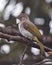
(29, 30)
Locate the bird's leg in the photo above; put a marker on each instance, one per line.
(40, 45)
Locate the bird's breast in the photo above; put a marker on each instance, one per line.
(24, 32)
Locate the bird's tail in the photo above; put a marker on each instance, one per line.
(42, 51)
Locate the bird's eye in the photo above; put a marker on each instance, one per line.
(23, 18)
(20, 17)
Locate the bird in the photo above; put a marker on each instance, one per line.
(30, 30)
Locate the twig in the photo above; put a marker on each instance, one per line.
(9, 30)
(43, 61)
(12, 30)
(21, 39)
(22, 56)
(15, 38)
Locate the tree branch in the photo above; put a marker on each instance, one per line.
(11, 33)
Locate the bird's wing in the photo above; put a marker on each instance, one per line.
(23, 31)
(32, 28)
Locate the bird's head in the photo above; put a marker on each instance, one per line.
(23, 16)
